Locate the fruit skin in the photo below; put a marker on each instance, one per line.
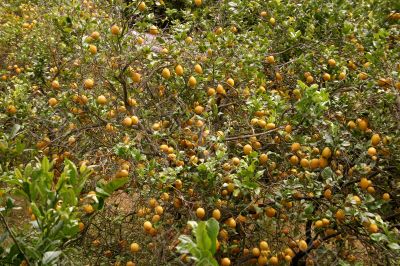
(216, 214)
(303, 245)
(134, 247)
(200, 213)
(270, 59)
(88, 83)
(179, 70)
(225, 262)
(192, 82)
(115, 30)
(166, 73)
(375, 139)
(247, 149)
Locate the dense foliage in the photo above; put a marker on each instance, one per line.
(199, 132)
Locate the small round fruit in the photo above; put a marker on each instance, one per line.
(375, 139)
(263, 159)
(127, 122)
(326, 153)
(303, 245)
(179, 70)
(326, 77)
(225, 261)
(147, 226)
(373, 228)
(115, 30)
(153, 30)
(273, 260)
(88, 83)
(198, 69)
(200, 213)
(332, 62)
(101, 100)
(386, 196)
(88, 209)
(55, 84)
(93, 49)
(142, 6)
(270, 59)
(199, 109)
(134, 247)
(53, 102)
(270, 212)
(95, 35)
(166, 73)
(264, 245)
(216, 214)
(371, 151)
(247, 149)
(192, 82)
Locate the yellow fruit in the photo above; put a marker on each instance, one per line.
(256, 252)
(270, 212)
(147, 226)
(325, 222)
(188, 40)
(115, 30)
(272, 21)
(319, 224)
(294, 160)
(153, 30)
(192, 82)
(371, 151)
(88, 83)
(328, 194)
(340, 215)
(53, 102)
(142, 6)
(198, 69)
(200, 213)
(332, 62)
(159, 210)
(130, 263)
(93, 49)
(166, 73)
(375, 139)
(373, 228)
(270, 126)
(273, 260)
(264, 245)
(357, 200)
(362, 75)
(81, 226)
(179, 70)
(263, 159)
(127, 122)
(386, 196)
(101, 100)
(303, 245)
(326, 153)
(304, 163)
(216, 214)
(270, 59)
(310, 79)
(199, 109)
(342, 76)
(134, 247)
(178, 184)
(218, 30)
(295, 147)
(135, 120)
(362, 124)
(364, 183)
(224, 261)
(231, 222)
(326, 77)
(247, 149)
(230, 82)
(88, 209)
(136, 77)
(55, 84)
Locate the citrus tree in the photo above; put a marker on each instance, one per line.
(275, 121)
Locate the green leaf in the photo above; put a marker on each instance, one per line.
(202, 239)
(394, 246)
(212, 231)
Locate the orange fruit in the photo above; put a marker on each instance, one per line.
(134, 247)
(247, 149)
